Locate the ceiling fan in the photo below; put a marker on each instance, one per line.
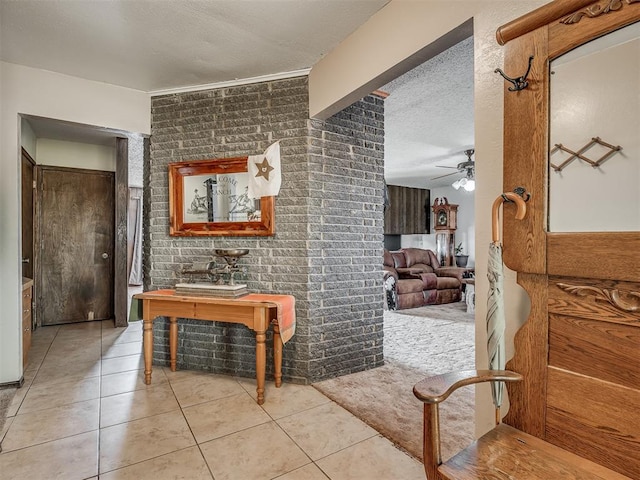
(468, 168)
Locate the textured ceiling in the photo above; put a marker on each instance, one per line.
(429, 119)
(152, 45)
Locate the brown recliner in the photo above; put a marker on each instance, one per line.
(419, 280)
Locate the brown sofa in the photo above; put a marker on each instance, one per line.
(413, 278)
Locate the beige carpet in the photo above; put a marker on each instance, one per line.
(415, 346)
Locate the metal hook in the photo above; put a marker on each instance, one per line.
(520, 191)
(519, 83)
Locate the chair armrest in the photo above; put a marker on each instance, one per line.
(409, 272)
(434, 390)
(437, 388)
(454, 272)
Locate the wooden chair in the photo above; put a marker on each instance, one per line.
(574, 380)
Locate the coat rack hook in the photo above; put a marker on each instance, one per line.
(522, 192)
(519, 83)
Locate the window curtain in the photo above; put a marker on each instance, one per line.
(134, 241)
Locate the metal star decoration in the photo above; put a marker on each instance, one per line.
(263, 169)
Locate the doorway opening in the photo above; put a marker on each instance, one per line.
(67, 157)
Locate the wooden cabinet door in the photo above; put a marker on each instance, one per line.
(76, 240)
(27, 294)
(408, 212)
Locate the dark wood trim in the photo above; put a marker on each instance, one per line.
(37, 241)
(34, 226)
(537, 18)
(28, 157)
(120, 287)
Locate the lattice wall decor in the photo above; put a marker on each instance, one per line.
(579, 154)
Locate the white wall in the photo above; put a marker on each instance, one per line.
(398, 30)
(585, 105)
(61, 153)
(25, 90)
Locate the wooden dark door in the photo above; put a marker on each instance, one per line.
(27, 214)
(76, 245)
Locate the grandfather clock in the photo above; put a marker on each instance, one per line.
(445, 221)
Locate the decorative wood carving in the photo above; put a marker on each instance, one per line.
(596, 10)
(613, 296)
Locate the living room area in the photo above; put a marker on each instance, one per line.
(429, 172)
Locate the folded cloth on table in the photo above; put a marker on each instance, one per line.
(285, 308)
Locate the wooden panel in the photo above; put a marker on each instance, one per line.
(409, 211)
(173, 309)
(27, 294)
(595, 419)
(506, 453)
(527, 398)
(120, 278)
(610, 255)
(603, 350)
(222, 313)
(526, 122)
(76, 235)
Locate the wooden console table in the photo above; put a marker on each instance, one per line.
(256, 311)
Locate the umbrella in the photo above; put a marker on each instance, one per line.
(495, 302)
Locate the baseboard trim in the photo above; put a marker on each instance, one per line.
(16, 384)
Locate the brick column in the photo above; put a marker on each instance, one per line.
(327, 250)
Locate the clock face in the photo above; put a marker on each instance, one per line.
(441, 218)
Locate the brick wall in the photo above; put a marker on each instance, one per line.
(327, 248)
(346, 158)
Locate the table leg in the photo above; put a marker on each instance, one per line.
(147, 342)
(277, 355)
(173, 342)
(261, 360)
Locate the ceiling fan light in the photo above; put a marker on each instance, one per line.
(470, 185)
(459, 183)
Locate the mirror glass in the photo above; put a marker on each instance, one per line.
(594, 141)
(219, 198)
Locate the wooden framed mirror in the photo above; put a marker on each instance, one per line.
(578, 349)
(547, 34)
(594, 135)
(209, 198)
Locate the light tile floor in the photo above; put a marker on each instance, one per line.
(84, 412)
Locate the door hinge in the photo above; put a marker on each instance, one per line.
(34, 184)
